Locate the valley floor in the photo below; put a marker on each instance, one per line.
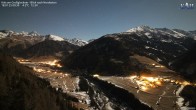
(158, 90)
(64, 82)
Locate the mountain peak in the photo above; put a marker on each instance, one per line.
(140, 29)
(149, 32)
(54, 37)
(33, 33)
(76, 41)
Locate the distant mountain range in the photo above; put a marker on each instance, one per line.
(32, 44)
(111, 53)
(34, 35)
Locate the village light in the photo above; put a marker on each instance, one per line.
(95, 75)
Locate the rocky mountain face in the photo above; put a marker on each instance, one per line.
(111, 53)
(20, 89)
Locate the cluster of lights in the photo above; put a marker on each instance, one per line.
(39, 70)
(52, 63)
(22, 60)
(157, 66)
(48, 71)
(146, 83)
(95, 75)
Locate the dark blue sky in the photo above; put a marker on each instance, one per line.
(87, 19)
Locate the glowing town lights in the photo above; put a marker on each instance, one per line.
(140, 83)
(58, 65)
(52, 63)
(158, 83)
(172, 81)
(185, 83)
(66, 74)
(22, 61)
(95, 75)
(146, 83)
(38, 70)
(144, 88)
(159, 66)
(151, 79)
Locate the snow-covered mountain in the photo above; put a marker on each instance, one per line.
(34, 34)
(3, 35)
(77, 42)
(32, 44)
(149, 32)
(54, 37)
(162, 45)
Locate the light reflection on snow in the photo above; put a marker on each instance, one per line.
(149, 82)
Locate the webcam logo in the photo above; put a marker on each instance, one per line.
(187, 6)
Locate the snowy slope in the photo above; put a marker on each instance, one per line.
(54, 37)
(3, 35)
(148, 31)
(77, 42)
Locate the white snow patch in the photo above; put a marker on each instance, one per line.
(194, 37)
(163, 40)
(56, 38)
(88, 101)
(108, 106)
(158, 59)
(145, 103)
(147, 47)
(3, 35)
(177, 34)
(180, 100)
(77, 42)
(77, 82)
(148, 35)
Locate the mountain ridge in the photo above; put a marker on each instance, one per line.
(9, 33)
(160, 45)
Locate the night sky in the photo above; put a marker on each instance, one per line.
(88, 19)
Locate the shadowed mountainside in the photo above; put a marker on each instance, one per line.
(186, 64)
(50, 48)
